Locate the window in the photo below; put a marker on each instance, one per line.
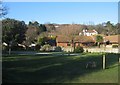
(68, 44)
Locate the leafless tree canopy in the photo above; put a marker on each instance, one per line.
(3, 10)
(70, 29)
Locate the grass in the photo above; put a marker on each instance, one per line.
(59, 68)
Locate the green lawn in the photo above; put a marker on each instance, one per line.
(59, 69)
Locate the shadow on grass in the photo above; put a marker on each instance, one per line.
(52, 69)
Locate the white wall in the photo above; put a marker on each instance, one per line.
(108, 50)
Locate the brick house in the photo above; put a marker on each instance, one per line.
(85, 41)
(113, 40)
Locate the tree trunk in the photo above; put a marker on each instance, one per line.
(73, 45)
(9, 50)
(99, 44)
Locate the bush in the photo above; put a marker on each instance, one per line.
(17, 48)
(79, 49)
(4, 48)
(37, 47)
(58, 49)
(86, 51)
(114, 46)
(46, 47)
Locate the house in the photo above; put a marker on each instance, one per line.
(63, 41)
(113, 40)
(88, 32)
(67, 43)
(85, 41)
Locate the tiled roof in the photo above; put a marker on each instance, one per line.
(84, 39)
(113, 38)
(62, 38)
(81, 39)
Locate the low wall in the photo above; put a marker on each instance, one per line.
(68, 49)
(108, 50)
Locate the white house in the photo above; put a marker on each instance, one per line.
(88, 32)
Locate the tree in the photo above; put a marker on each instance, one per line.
(110, 28)
(90, 27)
(107, 28)
(13, 30)
(34, 30)
(31, 34)
(3, 10)
(46, 47)
(50, 27)
(117, 30)
(42, 28)
(33, 23)
(41, 40)
(72, 31)
(79, 49)
(99, 28)
(99, 39)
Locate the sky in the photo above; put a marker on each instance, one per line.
(61, 0)
(64, 12)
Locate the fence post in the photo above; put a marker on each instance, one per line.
(104, 61)
(119, 59)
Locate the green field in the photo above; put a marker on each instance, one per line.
(56, 68)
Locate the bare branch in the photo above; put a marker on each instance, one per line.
(3, 10)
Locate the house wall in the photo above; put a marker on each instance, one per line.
(89, 34)
(76, 44)
(62, 44)
(65, 44)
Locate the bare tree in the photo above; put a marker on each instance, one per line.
(3, 10)
(71, 31)
(31, 34)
